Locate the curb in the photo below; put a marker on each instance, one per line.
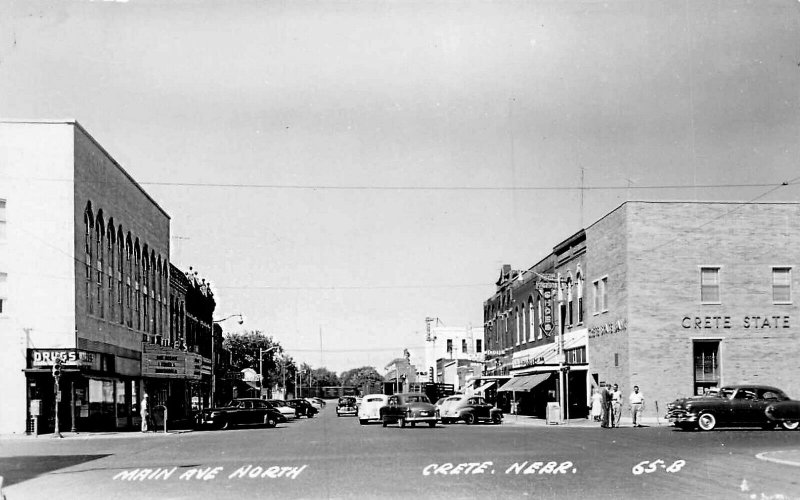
(89, 435)
(769, 456)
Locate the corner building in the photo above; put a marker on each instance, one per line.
(688, 296)
(675, 297)
(84, 261)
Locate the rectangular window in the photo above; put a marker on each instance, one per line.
(709, 285)
(580, 310)
(449, 346)
(1, 305)
(782, 285)
(600, 298)
(478, 346)
(464, 346)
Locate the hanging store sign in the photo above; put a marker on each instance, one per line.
(546, 321)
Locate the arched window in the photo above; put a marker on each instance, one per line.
(531, 326)
(109, 269)
(579, 293)
(99, 234)
(120, 274)
(569, 301)
(88, 222)
(137, 283)
(518, 321)
(129, 281)
(153, 296)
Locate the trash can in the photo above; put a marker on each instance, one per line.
(553, 413)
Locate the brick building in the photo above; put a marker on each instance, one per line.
(675, 297)
(84, 261)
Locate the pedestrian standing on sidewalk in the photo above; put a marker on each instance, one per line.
(616, 406)
(605, 397)
(597, 405)
(145, 413)
(637, 406)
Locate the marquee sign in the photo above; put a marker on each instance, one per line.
(546, 321)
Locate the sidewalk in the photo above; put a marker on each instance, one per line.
(95, 435)
(528, 420)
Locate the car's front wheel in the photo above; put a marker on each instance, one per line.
(384, 422)
(469, 418)
(432, 424)
(706, 422)
(401, 422)
(790, 425)
(497, 419)
(270, 421)
(362, 421)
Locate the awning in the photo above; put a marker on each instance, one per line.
(484, 386)
(525, 382)
(509, 386)
(528, 382)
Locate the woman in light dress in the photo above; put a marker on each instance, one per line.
(596, 405)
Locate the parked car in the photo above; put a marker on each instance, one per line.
(732, 406)
(370, 408)
(316, 403)
(346, 406)
(286, 410)
(470, 409)
(302, 408)
(443, 403)
(786, 413)
(243, 411)
(409, 408)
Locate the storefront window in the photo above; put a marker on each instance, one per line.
(101, 404)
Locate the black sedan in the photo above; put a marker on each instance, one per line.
(244, 411)
(732, 406)
(412, 408)
(786, 413)
(302, 407)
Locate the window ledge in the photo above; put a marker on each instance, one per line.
(782, 303)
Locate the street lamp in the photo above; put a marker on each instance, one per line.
(214, 355)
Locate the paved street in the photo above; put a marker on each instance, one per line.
(330, 457)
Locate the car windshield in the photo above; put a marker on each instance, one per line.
(726, 393)
(374, 400)
(347, 401)
(416, 399)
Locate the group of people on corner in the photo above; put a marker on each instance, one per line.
(607, 405)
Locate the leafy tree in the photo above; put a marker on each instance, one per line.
(366, 379)
(245, 349)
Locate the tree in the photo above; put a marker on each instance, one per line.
(366, 379)
(245, 349)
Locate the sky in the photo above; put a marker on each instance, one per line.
(340, 170)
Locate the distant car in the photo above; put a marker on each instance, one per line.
(370, 408)
(786, 413)
(732, 406)
(443, 403)
(302, 408)
(244, 411)
(287, 411)
(316, 403)
(346, 406)
(412, 408)
(470, 409)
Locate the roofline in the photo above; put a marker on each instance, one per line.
(74, 122)
(691, 202)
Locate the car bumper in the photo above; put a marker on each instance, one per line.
(346, 411)
(681, 417)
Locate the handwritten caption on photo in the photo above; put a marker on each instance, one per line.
(540, 467)
(209, 473)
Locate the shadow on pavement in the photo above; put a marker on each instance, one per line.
(18, 469)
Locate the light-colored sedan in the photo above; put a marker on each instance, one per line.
(286, 410)
(370, 408)
(316, 403)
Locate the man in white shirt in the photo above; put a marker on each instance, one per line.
(637, 406)
(616, 406)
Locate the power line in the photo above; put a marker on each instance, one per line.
(323, 187)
